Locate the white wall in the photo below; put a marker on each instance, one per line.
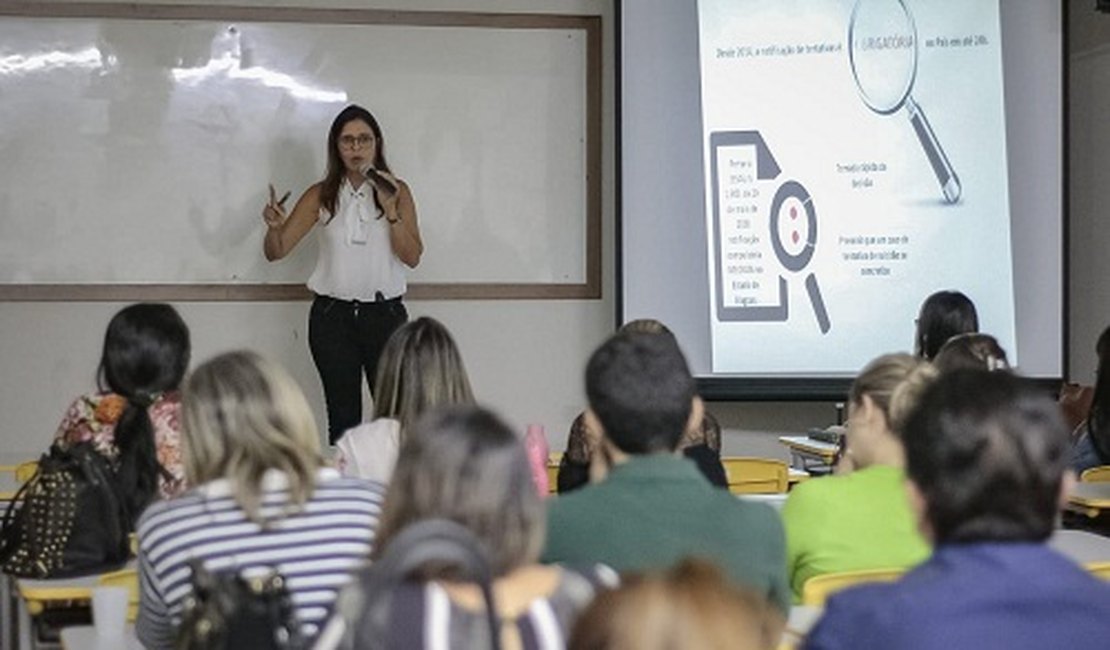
(1089, 79)
(525, 357)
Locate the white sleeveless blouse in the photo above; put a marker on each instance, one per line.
(355, 259)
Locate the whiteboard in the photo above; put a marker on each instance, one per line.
(139, 151)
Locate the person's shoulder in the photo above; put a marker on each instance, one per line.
(868, 616)
(350, 488)
(166, 511)
(374, 429)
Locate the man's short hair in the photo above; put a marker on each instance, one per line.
(987, 451)
(640, 389)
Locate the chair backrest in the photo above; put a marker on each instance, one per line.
(128, 578)
(817, 589)
(20, 474)
(1100, 474)
(755, 475)
(25, 470)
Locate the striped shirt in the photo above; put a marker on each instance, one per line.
(316, 550)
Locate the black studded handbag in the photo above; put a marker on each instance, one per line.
(229, 611)
(68, 519)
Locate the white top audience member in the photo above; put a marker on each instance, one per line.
(420, 369)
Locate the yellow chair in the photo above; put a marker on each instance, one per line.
(128, 578)
(1100, 474)
(755, 475)
(817, 589)
(1099, 569)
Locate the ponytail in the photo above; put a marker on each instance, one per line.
(139, 468)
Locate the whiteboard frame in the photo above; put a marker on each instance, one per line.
(590, 288)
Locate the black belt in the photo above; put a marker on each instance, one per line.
(379, 299)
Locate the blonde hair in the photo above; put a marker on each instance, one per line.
(894, 382)
(243, 415)
(420, 369)
(688, 606)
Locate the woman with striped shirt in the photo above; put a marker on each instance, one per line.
(263, 500)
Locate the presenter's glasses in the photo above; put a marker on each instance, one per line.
(351, 142)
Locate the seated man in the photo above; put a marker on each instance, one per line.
(655, 508)
(985, 457)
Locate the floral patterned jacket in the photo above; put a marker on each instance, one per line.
(93, 418)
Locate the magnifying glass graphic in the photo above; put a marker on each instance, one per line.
(882, 48)
(793, 248)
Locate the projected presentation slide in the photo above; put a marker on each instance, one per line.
(855, 161)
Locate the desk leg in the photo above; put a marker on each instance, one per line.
(10, 636)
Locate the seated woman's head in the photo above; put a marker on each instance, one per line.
(879, 401)
(689, 606)
(146, 352)
(243, 416)
(972, 351)
(464, 464)
(420, 369)
(943, 315)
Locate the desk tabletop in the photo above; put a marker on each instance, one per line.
(1084, 547)
(80, 588)
(84, 637)
(806, 443)
(1095, 495)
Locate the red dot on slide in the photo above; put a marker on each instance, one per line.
(793, 212)
(795, 236)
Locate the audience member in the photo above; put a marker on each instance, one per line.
(262, 499)
(1092, 446)
(463, 464)
(972, 351)
(986, 458)
(862, 520)
(420, 369)
(654, 508)
(943, 315)
(582, 463)
(133, 418)
(689, 607)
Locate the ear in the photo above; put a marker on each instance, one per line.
(920, 509)
(1067, 486)
(697, 414)
(595, 433)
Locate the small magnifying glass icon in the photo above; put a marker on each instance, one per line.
(791, 200)
(882, 48)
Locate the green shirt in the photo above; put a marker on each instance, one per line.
(652, 511)
(846, 523)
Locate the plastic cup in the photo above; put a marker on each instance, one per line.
(109, 606)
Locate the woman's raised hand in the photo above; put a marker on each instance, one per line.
(274, 212)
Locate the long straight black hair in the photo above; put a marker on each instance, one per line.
(329, 188)
(1098, 426)
(146, 352)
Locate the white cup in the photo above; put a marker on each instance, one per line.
(109, 605)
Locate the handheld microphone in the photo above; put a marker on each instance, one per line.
(379, 181)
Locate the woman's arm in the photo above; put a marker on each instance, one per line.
(404, 231)
(284, 233)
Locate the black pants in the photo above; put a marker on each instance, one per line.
(346, 337)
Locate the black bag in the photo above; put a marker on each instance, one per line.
(68, 519)
(226, 610)
(363, 619)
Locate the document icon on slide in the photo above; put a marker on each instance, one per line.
(747, 243)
